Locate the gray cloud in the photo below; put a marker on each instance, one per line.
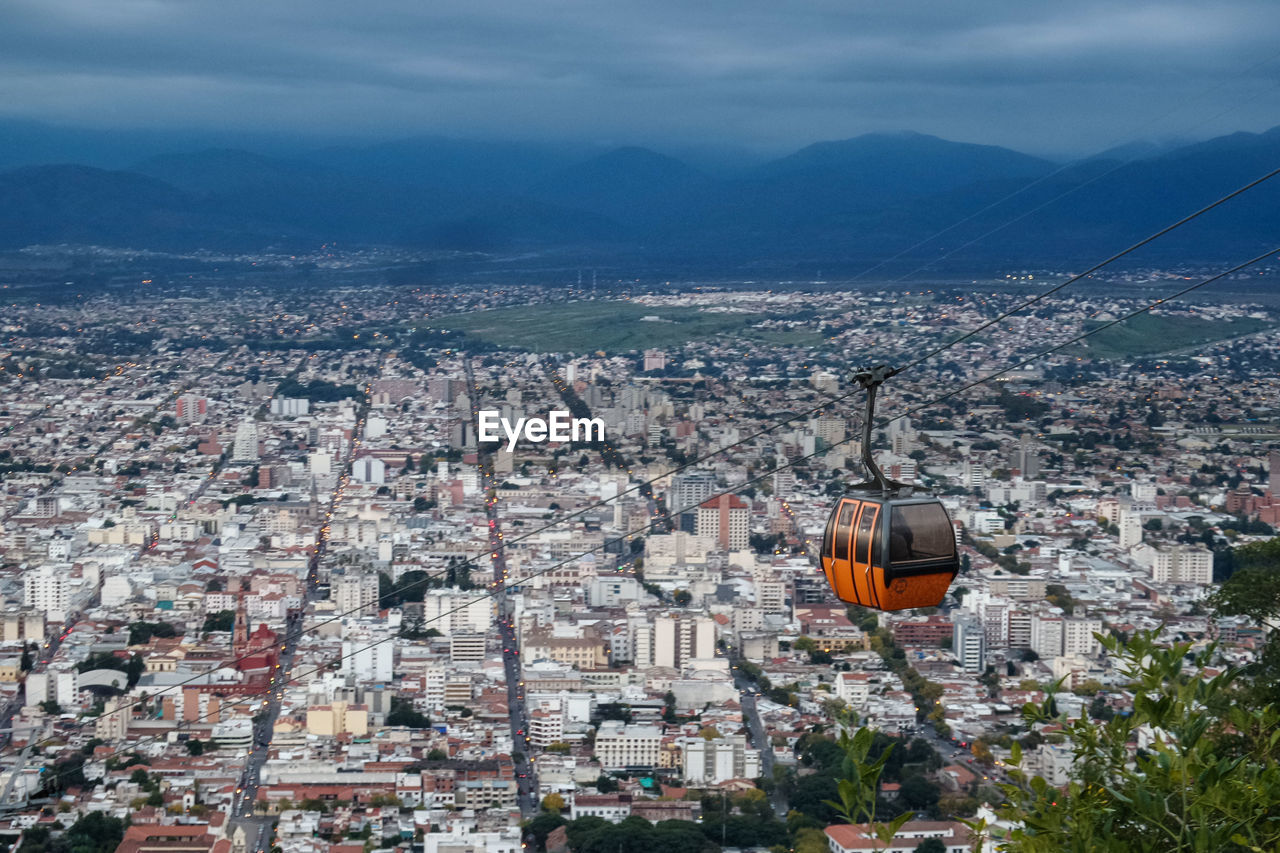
(1036, 76)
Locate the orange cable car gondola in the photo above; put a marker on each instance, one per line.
(887, 546)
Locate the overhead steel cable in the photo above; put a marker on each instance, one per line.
(498, 587)
(1091, 270)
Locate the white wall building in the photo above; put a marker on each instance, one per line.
(620, 746)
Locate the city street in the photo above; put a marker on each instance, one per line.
(526, 774)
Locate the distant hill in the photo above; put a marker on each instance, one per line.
(838, 204)
(80, 204)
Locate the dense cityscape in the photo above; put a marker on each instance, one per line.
(267, 590)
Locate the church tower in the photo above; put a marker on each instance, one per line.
(240, 635)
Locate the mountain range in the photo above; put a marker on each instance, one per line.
(908, 197)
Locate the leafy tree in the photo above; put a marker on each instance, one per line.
(223, 620)
(96, 832)
(1100, 710)
(1253, 590)
(541, 826)
(919, 793)
(195, 747)
(1208, 780)
(553, 803)
(614, 711)
(102, 660)
(809, 839)
(1057, 595)
(67, 772)
(402, 713)
(931, 845)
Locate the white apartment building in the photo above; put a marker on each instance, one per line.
(546, 727)
(1046, 635)
(710, 762)
(1078, 639)
(970, 642)
(1130, 530)
(356, 594)
(366, 661)
(245, 447)
(452, 611)
(771, 594)
(620, 746)
(1178, 564)
(47, 589)
(679, 638)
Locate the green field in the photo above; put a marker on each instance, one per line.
(612, 327)
(1158, 334)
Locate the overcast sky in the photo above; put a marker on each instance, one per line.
(1044, 77)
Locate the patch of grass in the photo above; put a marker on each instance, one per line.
(786, 337)
(1156, 334)
(611, 326)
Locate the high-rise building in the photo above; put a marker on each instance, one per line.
(450, 611)
(621, 746)
(1025, 459)
(245, 447)
(771, 594)
(830, 430)
(46, 589)
(191, 408)
(710, 762)
(678, 638)
(970, 642)
(356, 594)
(369, 469)
(366, 659)
(1078, 639)
(654, 359)
(690, 490)
(727, 518)
(290, 407)
(1046, 635)
(1182, 564)
(1019, 628)
(973, 475)
(1130, 530)
(901, 435)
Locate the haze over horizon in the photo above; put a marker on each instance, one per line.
(1054, 82)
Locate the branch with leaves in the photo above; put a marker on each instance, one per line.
(860, 786)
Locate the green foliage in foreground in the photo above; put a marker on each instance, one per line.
(1206, 777)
